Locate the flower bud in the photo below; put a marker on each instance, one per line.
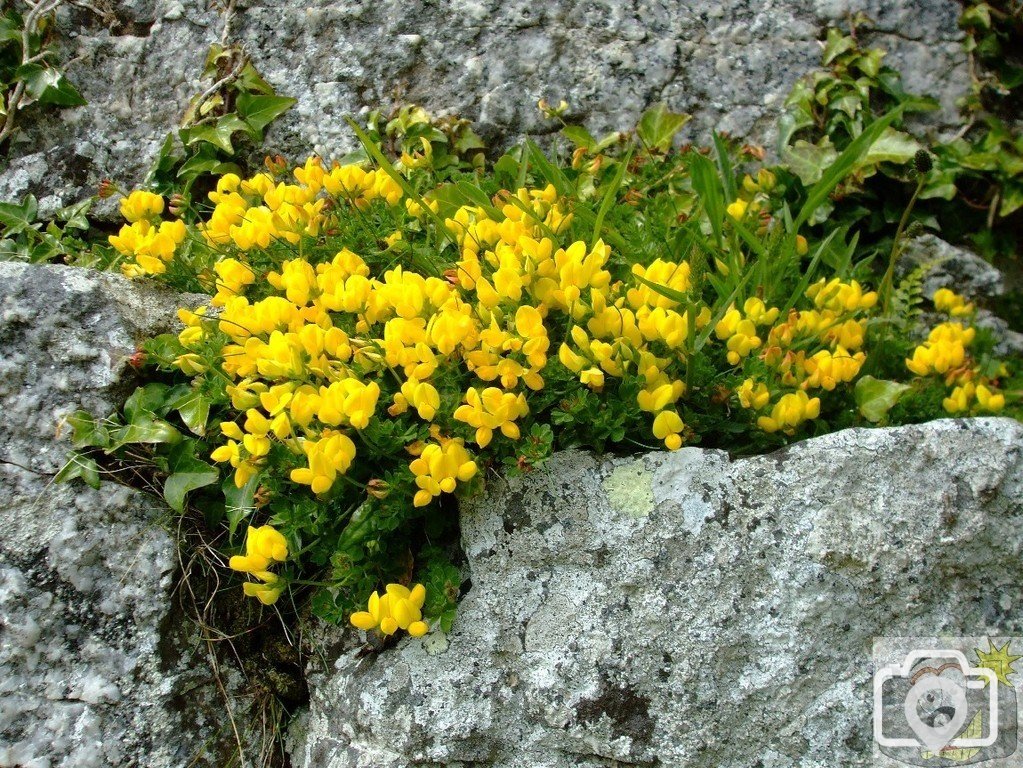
(106, 189)
(275, 164)
(378, 489)
(177, 204)
(922, 161)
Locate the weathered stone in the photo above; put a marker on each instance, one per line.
(689, 609)
(729, 63)
(950, 267)
(91, 668)
(963, 271)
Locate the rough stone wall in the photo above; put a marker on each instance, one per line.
(728, 62)
(686, 609)
(96, 669)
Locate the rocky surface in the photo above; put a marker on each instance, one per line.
(688, 609)
(96, 669)
(728, 62)
(962, 270)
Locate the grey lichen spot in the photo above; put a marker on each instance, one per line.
(629, 489)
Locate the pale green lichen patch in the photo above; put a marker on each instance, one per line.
(435, 643)
(629, 489)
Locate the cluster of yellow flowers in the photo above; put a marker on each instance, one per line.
(946, 353)
(264, 546)
(807, 350)
(304, 361)
(398, 608)
(256, 211)
(313, 349)
(147, 240)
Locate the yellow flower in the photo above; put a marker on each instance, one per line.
(737, 209)
(141, 205)
(439, 467)
(952, 303)
(492, 409)
(267, 593)
(789, 412)
(753, 395)
(398, 608)
(264, 545)
(327, 458)
(667, 427)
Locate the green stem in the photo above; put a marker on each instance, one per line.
(886, 281)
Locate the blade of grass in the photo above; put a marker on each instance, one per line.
(707, 186)
(548, 170)
(725, 167)
(610, 196)
(807, 274)
(842, 167)
(386, 167)
(520, 182)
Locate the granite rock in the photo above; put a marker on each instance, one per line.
(97, 668)
(729, 63)
(691, 609)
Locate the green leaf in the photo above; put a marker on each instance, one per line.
(203, 161)
(218, 134)
(657, 127)
(1012, 198)
(260, 111)
(250, 81)
(579, 136)
(194, 409)
(707, 185)
(809, 161)
(892, 146)
(875, 397)
(144, 430)
(87, 431)
(239, 502)
(842, 167)
(610, 195)
(48, 86)
(16, 218)
(187, 474)
(82, 466)
(836, 45)
(75, 216)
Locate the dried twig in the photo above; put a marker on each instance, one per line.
(36, 11)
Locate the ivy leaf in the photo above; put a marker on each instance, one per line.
(1012, 198)
(147, 428)
(836, 45)
(892, 146)
(187, 474)
(76, 216)
(16, 218)
(194, 409)
(259, 111)
(657, 127)
(875, 397)
(48, 86)
(809, 161)
(218, 134)
(79, 465)
(87, 431)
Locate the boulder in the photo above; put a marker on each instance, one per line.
(689, 608)
(97, 668)
(729, 63)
